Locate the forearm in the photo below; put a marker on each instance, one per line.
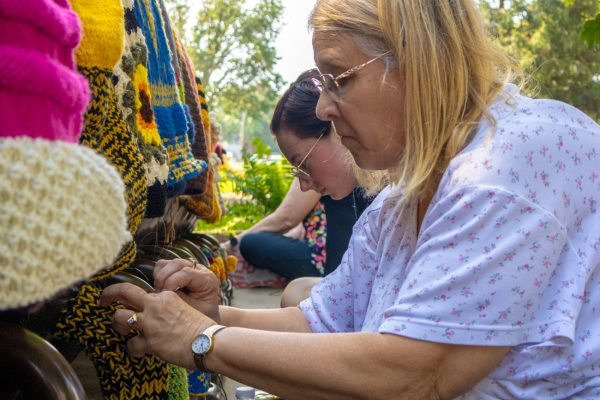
(288, 319)
(272, 223)
(349, 365)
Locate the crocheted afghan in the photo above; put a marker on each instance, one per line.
(169, 112)
(133, 97)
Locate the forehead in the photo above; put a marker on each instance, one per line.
(335, 50)
(293, 147)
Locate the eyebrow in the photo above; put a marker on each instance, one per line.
(330, 64)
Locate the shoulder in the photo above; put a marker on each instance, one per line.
(533, 149)
(387, 208)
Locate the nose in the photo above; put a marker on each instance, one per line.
(305, 184)
(326, 108)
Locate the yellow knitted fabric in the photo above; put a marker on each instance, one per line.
(146, 124)
(103, 33)
(218, 268)
(230, 263)
(106, 132)
(121, 375)
(204, 114)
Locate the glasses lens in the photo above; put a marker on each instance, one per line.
(329, 85)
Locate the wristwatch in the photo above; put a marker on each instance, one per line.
(203, 344)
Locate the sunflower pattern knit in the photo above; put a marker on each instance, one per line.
(169, 112)
(133, 96)
(105, 130)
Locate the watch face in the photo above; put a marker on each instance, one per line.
(201, 344)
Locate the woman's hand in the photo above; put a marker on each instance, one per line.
(298, 232)
(233, 250)
(198, 287)
(165, 324)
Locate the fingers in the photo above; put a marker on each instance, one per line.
(179, 279)
(175, 274)
(137, 346)
(128, 321)
(166, 268)
(193, 280)
(127, 294)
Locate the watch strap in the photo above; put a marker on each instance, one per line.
(210, 332)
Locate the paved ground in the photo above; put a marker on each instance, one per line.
(243, 298)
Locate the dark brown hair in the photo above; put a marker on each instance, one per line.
(296, 109)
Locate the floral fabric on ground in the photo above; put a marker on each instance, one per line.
(508, 254)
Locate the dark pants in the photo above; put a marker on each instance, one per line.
(285, 256)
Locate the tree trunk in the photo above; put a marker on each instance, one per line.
(242, 129)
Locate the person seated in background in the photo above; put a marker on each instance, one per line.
(324, 173)
(277, 242)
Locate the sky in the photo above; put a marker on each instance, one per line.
(294, 41)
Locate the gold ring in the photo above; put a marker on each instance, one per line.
(131, 321)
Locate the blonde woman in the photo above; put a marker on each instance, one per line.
(473, 275)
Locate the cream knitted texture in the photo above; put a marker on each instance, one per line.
(62, 217)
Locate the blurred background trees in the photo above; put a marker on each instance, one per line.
(545, 36)
(232, 45)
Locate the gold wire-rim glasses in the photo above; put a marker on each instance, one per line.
(331, 84)
(298, 172)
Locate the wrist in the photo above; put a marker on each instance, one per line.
(224, 316)
(202, 345)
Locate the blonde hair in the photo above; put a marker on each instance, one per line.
(449, 67)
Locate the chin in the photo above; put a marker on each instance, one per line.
(374, 163)
(340, 194)
(365, 163)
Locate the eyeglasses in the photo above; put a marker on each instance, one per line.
(333, 84)
(297, 171)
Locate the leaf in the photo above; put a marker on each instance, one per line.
(591, 32)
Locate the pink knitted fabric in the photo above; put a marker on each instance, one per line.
(41, 93)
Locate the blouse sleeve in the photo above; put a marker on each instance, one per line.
(334, 305)
(484, 272)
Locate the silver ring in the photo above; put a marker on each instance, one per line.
(131, 321)
(194, 263)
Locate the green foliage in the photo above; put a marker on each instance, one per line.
(232, 46)
(255, 127)
(259, 189)
(591, 32)
(265, 180)
(544, 36)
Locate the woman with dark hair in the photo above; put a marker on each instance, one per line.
(323, 172)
